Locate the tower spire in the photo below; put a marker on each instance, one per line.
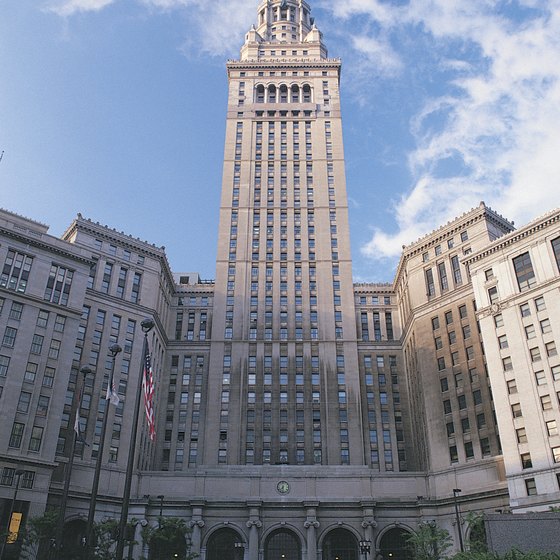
(283, 25)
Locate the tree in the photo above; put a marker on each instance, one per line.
(38, 533)
(429, 542)
(168, 539)
(477, 536)
(105, 535)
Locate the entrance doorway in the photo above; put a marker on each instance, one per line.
(282, 545)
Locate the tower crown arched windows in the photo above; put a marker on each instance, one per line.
(283, 93)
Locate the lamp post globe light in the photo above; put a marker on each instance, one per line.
(114, 349)
(76, 405)
(456, 492)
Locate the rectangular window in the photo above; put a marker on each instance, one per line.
(430, 285)
(531, 486)
(444, 284)
(9, 338)
(15, 272)
(493, 295)
(456, 269)
(4, 365)
(556, 250)
(36, 438)
(17, 435)
(524, 272)
(526, 462)
(58, 285)
(521, 434)
(135, 293)
(16, 310)
(23, 403)
(42, 318)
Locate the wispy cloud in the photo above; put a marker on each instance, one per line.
(492, 132)
(71, 7)
(213, 28)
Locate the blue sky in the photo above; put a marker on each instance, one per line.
(445, 103)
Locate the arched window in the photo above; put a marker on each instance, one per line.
(224, 544)
(295, 94)
(340, 544)
(282, 545)
(283, 94)
(260, 94)
(306, 94)
(394, 546)
(272, 94)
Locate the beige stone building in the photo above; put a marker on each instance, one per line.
(516, 281)
(297, 413)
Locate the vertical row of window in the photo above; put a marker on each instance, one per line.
(445, 270)
(537, 329)
(382, 390)
(16, 271)
(120, 288)
(266, 388)
(30, 399)
(180, 388)
(373, 318)
(460, 385)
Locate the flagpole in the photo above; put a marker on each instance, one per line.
(76, 405)
(147, 325)
(114, 349)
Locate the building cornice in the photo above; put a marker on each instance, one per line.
(450, 229)
(535, 226)
(51, 247)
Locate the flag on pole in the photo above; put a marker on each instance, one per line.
(112, 394)
(148, 389)
(77, 426)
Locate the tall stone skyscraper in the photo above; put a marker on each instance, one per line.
(283, 354)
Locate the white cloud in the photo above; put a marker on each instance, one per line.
(71, 7)
(499, 117)
(211, 27)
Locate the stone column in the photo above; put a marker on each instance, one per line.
(369, 524)
(311, 524)
(196, 523)
(254, 524)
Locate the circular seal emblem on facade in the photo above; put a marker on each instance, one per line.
(283, 487)
(495, 307)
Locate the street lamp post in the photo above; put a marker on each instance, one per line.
(147, 325)
(456, 492)
(76, 404)
(18, 474)
(160, 498)
(365, 547)
(114, 349)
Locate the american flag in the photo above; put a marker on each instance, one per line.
(148, 388)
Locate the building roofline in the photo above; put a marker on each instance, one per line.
(451, 228)
(542, 222)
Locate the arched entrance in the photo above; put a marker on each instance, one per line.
(340, 544)
(224, 544)
(282, 545)
(168, 542)
(393, 545)
(73, 533)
